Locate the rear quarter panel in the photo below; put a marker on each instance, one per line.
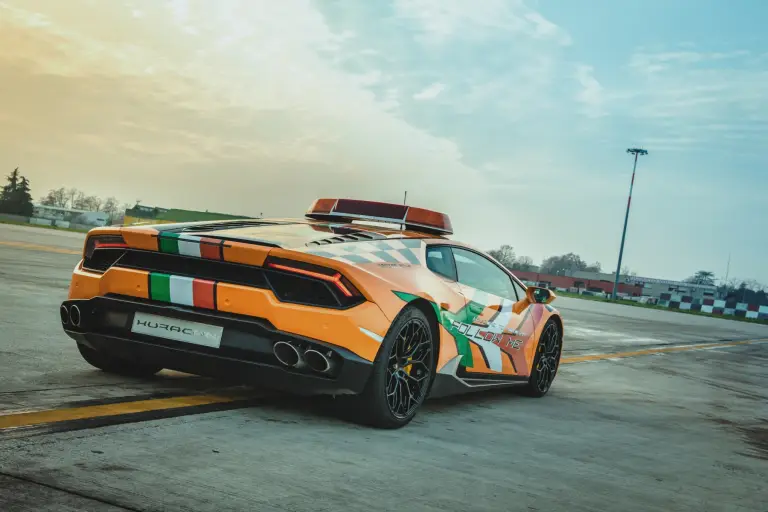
(381, 278)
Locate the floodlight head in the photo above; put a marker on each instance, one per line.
(637, 151)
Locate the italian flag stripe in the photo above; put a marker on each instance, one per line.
(210, 248)
(184, 291)
(187, 245)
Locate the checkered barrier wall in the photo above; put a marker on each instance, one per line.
(714, 306)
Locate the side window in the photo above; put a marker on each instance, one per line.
(520, 289)
(481, 273)
(440, 261)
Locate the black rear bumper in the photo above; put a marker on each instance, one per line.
(244, 356)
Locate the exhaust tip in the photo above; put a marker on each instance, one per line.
(317, 361)
(74, 315)
(286, 353)
(64, 312)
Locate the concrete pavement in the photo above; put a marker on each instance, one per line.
(666, 431)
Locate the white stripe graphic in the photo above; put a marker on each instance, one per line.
(371, 334)
(502, 319)
(398, 256)
(345, 260)
(492, 353)
(189, 246)
(480, 297)
(396, 244)
(182, 290)
(419, 253)
(491, 350)
(372, 257)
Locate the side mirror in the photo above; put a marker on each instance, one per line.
(537, 295)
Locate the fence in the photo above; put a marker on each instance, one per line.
(13, 218)
(45, 222)
(720, 307)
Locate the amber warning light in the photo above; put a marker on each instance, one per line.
(416, 219)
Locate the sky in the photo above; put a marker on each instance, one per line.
(511, 116)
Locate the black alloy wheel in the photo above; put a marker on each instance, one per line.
(547, 360)
(401, 375)
(409, 368)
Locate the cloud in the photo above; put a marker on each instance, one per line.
(446, 20)
(429, 93)
(591, 93)
(260, 106)
(237, 96)
(691, 97)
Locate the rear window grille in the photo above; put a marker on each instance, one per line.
(349, 237)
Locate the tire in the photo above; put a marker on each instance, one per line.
(376, 406)
(546, 362)
(118, 366)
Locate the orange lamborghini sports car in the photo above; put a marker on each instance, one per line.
(332, 303)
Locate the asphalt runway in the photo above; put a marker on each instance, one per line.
(652, 411)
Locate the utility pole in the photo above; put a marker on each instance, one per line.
(405, 197)
(637, 152)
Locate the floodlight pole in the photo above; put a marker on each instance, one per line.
(637, 152)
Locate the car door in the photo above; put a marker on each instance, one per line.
(497, 334)
(452, 306)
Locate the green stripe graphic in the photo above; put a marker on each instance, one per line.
(446, 320)
(169, 242)
(160, 287)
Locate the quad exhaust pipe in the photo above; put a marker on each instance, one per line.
(70, 315)
(290, 355)
(318, 361)
(74, 315)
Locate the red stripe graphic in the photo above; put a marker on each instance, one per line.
(202, 293)
(210, 248)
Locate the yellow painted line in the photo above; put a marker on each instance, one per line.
(40, 248)
(659, 350)
(28, 419)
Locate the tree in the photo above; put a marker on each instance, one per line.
(562, 265)
(626, 272)
(702, 277)
(595, 267)
(504, 255)
(15, 197)
(88, 203)
(55, 197)
(23, 198)
(111, 207)
(524, 264)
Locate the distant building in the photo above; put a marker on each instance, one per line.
(632, 286)
(141, 214)
(600, 285)
(54, 215)
(665, 288)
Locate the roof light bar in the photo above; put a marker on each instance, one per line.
(416, 219)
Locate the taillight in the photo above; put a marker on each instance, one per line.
(102, 251)
(304, 289)
(335, 279)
